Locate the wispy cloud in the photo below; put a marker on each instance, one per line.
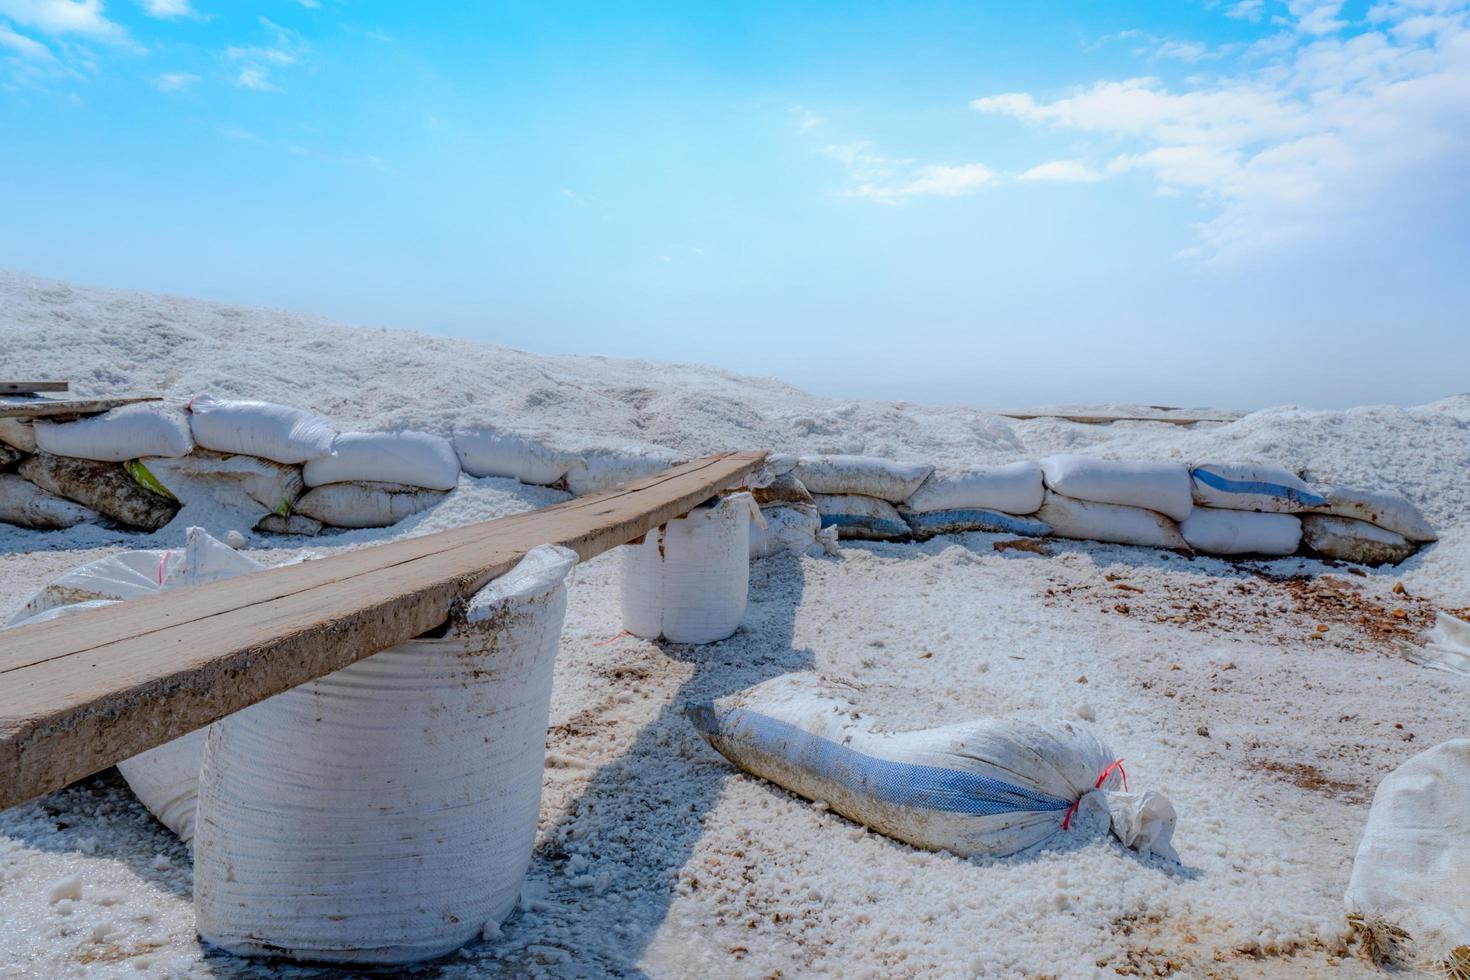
(1250, 10)
(174, 81)
(255, 79)
(1063, 171)
(83, 18)
(806, 120)
(25, 47)
(890, 180)
(257, 61)
(168, 9)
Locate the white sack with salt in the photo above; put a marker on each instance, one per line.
(1347, 539)
(869, 476)
(164, 779)
(1253, 486)
(18, 433)
(1409, 894)
(26, 505)
(1088, 521)
(688, 581)
(1390, 511)
(356, 505)
(276, 432)
(1241, 532)
(988, 787)
(386, 813)
(246, 483)
(128, 432)
(853, 515)
(1014, 488)
(1161, 487)
(788, 527)
(602, 469)
(488, 451)
(415, 459)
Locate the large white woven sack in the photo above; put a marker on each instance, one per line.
(277, 432)
(870, 476)
(1161, 487)
(1088, 520)
(853, 515)
(26, 505)
(249, 484)
(1241, 532)
(146, 429)
(1253, 486)
(386, 813)
(990, 787)
(1390, 511)
(787, 527)
(18, 433)
(1352, 540)
(365, 504)
(1409, 895)
(487, 451)
(415, 459)
(165, 779)
(1014, 488)
(596, 470)
(688, 581)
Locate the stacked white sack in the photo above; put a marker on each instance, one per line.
(1347, 539)
(106, 488)
(1241, 532)
(869, 476)
(1253, 486)
(26, 505)
(792, 527)
(276, 432)
(1161, 487)
(987, 787)
(407, 458)
(488, 451)
(1390, 511)
(602, 469)
(1406, 899)
(356, 505)
(386, 812)
(688, 581)
(165, 779)
(248, 483)
(129, 432)
(1014, 488)
(1085, 520)
(18, 433)
(854, 515)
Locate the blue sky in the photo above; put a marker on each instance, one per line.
(1233, 203)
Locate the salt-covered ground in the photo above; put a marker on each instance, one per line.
(1212, 679)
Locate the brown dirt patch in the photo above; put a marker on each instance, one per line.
(1307, 776)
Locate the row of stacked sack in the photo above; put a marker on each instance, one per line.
(1213, 508)
(295, 471)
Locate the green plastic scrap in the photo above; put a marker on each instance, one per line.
(145, 479)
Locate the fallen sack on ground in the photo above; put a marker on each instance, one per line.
(414, 459)
(931, 523)
(783, 490)
(1390, 511)
(869, 476)
(356, 505)
(1253, 486)
(298, 524)
(1447, 646)
(1408, 900)
(487, 451)
(1086, 520)
(1160, 487)
(128, 432)
(857, 516)
(988, 787)
(226, 478)
(164, 779)
(1357, 541)
(104, 487)
(253, 428)
(386, 812)
(1241, 532)
(26, 505)
(1014, 488)
(597, 470)
(791, 527)
(688, 581)
(18, 433)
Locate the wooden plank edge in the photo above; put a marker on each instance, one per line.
(59, 407)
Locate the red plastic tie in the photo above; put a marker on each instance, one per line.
(1116, 764)
(161, 563)
(611, 639)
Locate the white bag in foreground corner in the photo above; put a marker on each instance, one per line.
(386, 813)
(1409, 896)
(145, 429)
(275, 432)
(1241, 532)
(1014, 488)
(1088, 521)
(1446, 647)
(1253, 486)
(164, 779)
(866, 475)
(1161, 487)
(688, 581)
(26, 505)
(487, 451)
(988, 787)
(415, 459)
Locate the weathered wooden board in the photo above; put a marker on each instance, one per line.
(32, 387)
(82, 693)
(1105, 419)
(49, 408)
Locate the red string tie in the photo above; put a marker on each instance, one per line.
(1116, 764)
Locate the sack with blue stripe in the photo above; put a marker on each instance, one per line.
(981, 788)
(1253, 486)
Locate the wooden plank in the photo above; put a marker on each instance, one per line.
(84, 692)
(1106, 419)
(32, 387)
(49, 408)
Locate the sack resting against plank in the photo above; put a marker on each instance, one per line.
(1390, 511)
(276, 432)
(1241, 532)
(1357, 541)
(1252, 486)
(782, 490)
(414, 459)
(386, 812)
(104, 487)
(869, 476)
(857, 516)
(988, 788)
(927, 525)
(1161, 487)
(597, 470)
(1014, 488)
(26, 505)
(487, 451)
(1085, 520)
(365, 504)
(791, 528)
(128, 432)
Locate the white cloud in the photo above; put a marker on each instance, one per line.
(255, 79)
(174, 81)
(1246, 10)
(310, 4)
(275, 56)
(81, 17)
(806, 120)
(1063, 171)
(27, 48)
(1316, 17)
(167, 9)
(891, 181)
